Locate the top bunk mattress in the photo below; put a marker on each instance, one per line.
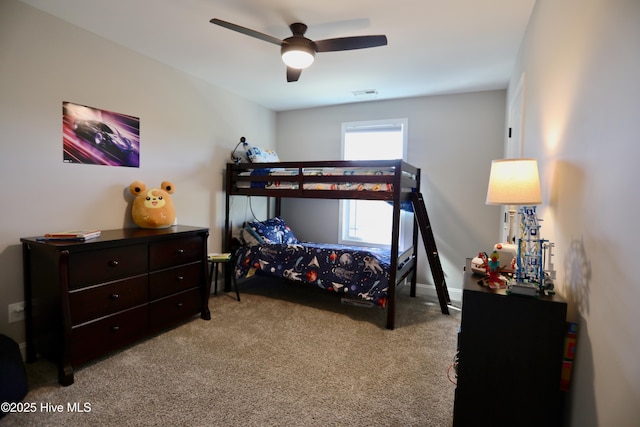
(279, 176)
(376, 176)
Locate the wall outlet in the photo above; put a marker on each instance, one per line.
(16, 312)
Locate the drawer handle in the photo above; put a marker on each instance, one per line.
(180, 278)
(180, 251)
(114, 296)
(113, 263)
(179, 305)
(115, 328)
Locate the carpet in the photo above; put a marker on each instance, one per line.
(286, 355)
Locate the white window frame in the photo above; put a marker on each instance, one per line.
(343, 235)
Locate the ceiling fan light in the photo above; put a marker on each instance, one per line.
(298, 57)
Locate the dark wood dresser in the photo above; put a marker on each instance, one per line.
(86, 299)
(510, 351)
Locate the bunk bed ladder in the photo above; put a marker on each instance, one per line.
(420, 211)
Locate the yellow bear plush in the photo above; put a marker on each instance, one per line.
(152, 208)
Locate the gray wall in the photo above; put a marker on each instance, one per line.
(582, 106)
(581, 62)
(187, 131)
(453, 138)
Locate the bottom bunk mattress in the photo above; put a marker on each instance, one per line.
(351, 270)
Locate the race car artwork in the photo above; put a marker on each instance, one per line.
(93, 136)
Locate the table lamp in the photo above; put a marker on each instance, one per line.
(514, 182)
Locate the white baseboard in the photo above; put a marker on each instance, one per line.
(430, 291)
(23, 350)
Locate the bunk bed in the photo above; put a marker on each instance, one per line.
(393, 181)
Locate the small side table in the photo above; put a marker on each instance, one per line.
(214, 260)
(510, 350)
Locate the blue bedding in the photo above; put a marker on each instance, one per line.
(349, 270)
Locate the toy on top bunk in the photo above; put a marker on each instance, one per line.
(253, 154)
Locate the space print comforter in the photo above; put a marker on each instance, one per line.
(350, 270)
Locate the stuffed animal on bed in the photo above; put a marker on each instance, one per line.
(152, 208)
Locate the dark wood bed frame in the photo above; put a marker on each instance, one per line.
(405, 181)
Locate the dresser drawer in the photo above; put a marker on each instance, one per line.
(167, 282)
(99, 301)
(168, 310)
(107, 334)
(104, 265)
(173, 252)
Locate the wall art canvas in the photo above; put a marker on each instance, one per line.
(99, 137)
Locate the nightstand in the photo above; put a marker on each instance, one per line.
(510, 351)
(214, 260)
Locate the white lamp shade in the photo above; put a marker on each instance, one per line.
(514, 182)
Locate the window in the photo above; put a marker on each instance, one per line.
(369, 222)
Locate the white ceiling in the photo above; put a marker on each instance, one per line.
(434, 46)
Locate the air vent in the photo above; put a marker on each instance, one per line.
(365, 94)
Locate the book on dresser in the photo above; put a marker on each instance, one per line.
(72, 235)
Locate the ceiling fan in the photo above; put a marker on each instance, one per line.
(298, 52)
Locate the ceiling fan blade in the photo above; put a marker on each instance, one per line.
(247, 31)
(293, 74)
(350, 43)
